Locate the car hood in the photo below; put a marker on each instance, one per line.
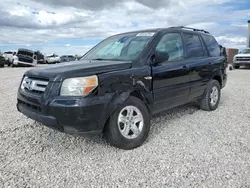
(80, 68)
(242, 55)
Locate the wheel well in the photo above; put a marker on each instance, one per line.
(218, 78)
(138, 95)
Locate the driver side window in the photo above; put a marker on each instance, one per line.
(172, 44)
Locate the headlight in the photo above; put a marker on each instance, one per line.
(81, 86)
(15, 58)
(234, 58)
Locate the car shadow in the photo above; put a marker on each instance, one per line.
(244, 68)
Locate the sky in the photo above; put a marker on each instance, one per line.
(74, 26)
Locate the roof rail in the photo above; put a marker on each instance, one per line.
(189, 28)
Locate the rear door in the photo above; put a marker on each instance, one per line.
(170, 78)
(217, 58)
(198, 62)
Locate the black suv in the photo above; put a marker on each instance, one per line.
(120, 83)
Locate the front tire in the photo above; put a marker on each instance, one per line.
(129, 125)
(211, 98)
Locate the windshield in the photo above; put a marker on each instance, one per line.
(245, 51)
(121, 47)
(26, 53)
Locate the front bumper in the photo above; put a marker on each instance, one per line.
(21, 63)
(69, 115)
(241, 63)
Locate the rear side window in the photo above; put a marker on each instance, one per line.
(194, 46)
(212, 45)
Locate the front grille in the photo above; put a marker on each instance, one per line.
(242, 58)
(30, 106)
(34, 85)
(25, 60)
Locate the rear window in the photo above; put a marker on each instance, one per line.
(194, 46)
(212, 45)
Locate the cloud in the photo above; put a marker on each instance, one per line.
(84, 4)
(65, 50)
(45, 22)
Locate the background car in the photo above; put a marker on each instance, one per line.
(242, 59)
(67, 58)
(25, 57)
(51, 59)
(9, 57)
(2, 60)
(40, 57)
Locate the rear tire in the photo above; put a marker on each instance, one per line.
(134, 131)
(211, 98)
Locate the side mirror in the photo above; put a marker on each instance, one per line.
(14, 53)
(161, 57)
(35, 57)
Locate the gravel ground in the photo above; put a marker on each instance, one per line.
(187, 147)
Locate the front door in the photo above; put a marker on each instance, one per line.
(170, 78)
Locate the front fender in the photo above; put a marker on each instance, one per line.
(122, 84)
(120, 98)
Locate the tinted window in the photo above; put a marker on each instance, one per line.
(194, 46)
(172, 44)
(212, 45)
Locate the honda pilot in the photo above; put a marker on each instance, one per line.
(120, 83)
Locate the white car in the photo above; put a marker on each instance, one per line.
(242, 59)
(25, 57)
(9, 57)
(51, 59)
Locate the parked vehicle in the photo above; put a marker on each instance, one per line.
(9, 57)
(40, 57)
(52, 59)
(242, 59)
(223, 52)
(2, 60)
(25, 57)
(119, 84)
(67, 58)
